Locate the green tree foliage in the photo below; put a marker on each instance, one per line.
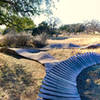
(1, 30)
(25, 7)
(22, 8)
(19, 24)
(44, 27)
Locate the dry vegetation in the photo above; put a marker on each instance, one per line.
(37, 70)
(31, 71)
(81, 40)
(23, 40)
(62, 54)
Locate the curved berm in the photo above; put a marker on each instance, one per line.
(60, 82)
(92, 46)
(61, 46)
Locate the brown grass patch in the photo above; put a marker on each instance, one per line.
(81, 40)
(63, 54)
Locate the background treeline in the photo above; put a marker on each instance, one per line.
(27, 25)
(89, 27)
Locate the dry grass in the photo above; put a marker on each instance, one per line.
(36, 69)
(62, 54)
(81, 40)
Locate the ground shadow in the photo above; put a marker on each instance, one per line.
(89, 83)
(59, 38)
(14, 54)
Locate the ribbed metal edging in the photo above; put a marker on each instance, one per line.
(60, 80)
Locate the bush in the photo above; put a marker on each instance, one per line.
(14, 40)
(23, 41)
(39, 41)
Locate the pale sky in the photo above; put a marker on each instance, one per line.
(75, 11)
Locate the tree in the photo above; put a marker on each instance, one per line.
(42, 28)
(92, 26)
(28, 8)
(22, 23)
(73, 28)
(77, 28)
(52, 23)
(19, 24)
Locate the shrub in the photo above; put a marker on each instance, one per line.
(16, 40)
(23, 41)
(39, 41)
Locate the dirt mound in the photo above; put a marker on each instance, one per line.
(41, 57)
(61, 46)
(92, 46)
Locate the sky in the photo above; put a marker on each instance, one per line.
(75, 11)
